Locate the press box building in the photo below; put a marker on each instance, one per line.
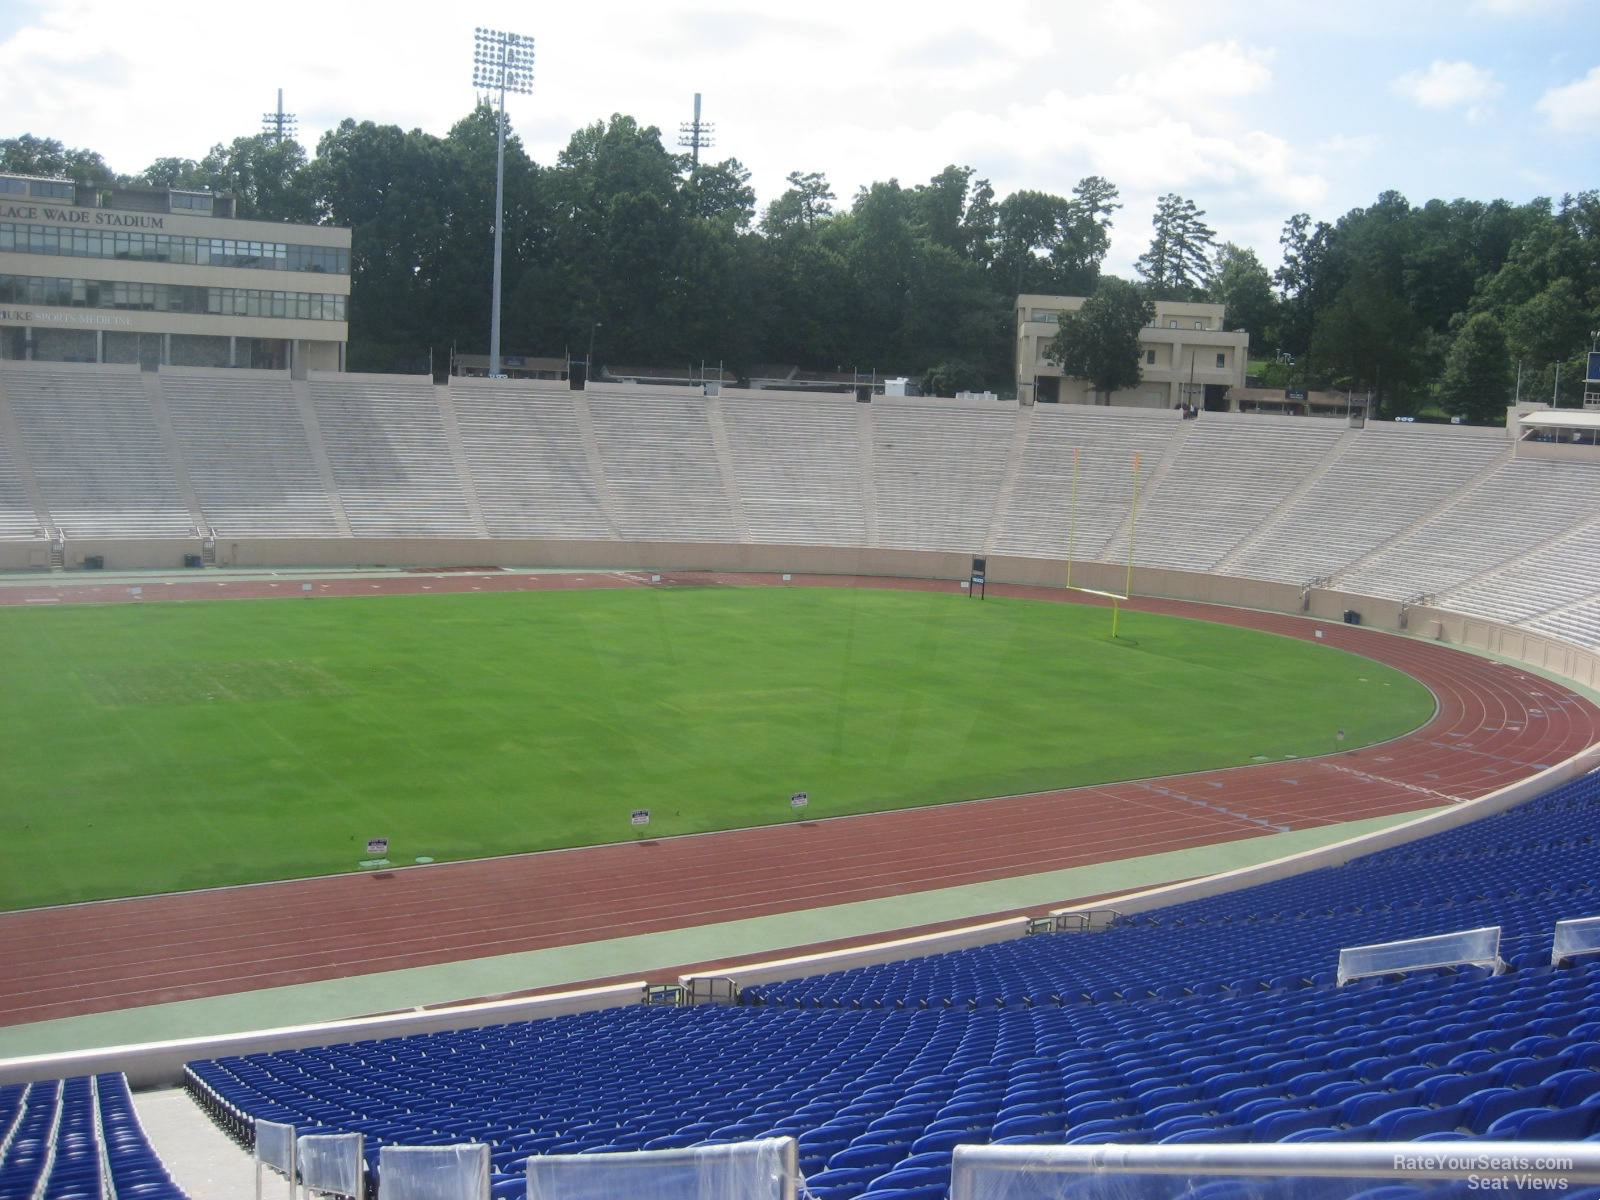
(1185, 353)
(161, 276)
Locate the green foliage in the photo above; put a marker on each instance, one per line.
(1244, 287)
(1100, 342)
(673, 264)
(948, 378)
(462, 726)
(29, 155)
(1368, 339)
(1177, 266)
(1476, 383)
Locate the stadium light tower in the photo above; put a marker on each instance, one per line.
(695, 135)
(279, 125)
(501, 62)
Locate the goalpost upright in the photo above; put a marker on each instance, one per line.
(1116, 598)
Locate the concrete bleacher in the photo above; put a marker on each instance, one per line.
(247, 453)
(936, 472)
(1389, 478)
(1560, 573)
(17, 519)
(391, 459)
(1578, 623)
(1231, 474)
(1042, 520)
(525, 450)
(660, 464)
(797, 463)
(93, 441)
(1505, 516)
(1391, 512)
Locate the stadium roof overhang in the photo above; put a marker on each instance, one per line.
(1572, 419)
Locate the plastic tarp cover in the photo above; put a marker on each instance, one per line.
(1581, 935)
(332, 1163)
(763, 1169)
(434, 1172)
(275, 1149)
(1477, 946)
(1268, 1171)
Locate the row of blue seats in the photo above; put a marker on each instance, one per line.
(879, 1096)
(1282, 934)
(879, 1093)
(77, 1139)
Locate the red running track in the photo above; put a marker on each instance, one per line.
(1495, 724)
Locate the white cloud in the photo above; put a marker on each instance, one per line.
(1216, 70)
(1446, 85)
(1349, 146)
(1573, 107)
(1518, 8)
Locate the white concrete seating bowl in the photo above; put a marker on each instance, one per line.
(797, 464)
(524, 448)
(937, 474)
(247, 454)
(1390, 479)
(1043, 520)
(391, 461)
(96, 452)
(1230, 476)
(1566, 571)
(18, 521)
(661, 466)
(1507, 515)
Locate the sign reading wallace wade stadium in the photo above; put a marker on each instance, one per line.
(79, 216)
(64, 316)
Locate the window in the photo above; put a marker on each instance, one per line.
(1172, 324)
(13, 187)
(1150, 358)
(49, 189)
(1199, 324)
(1222, 360)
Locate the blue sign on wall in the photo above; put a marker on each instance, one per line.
(1593, 374)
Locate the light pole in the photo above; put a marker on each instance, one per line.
(501, 62)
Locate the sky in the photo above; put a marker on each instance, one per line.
(1253, 110)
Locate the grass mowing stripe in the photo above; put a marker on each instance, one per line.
(156, 747)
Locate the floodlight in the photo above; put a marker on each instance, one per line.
(501, 62)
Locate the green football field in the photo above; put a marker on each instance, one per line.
(160, 747)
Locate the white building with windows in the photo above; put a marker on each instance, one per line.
(1186, 353)
(159, 276)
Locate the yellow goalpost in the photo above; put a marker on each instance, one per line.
(1117, 598)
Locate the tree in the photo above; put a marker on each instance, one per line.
(1177, 266)
(948, 378)
(721, 192)
(1368, 338)
(1477, 372)
(263, 173)
(1550, 326)
(808, 201)
(1077, 256)
(29, 155)
(1029, 221)
(1100, 342)
(1303, 279)
(1244, 288)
